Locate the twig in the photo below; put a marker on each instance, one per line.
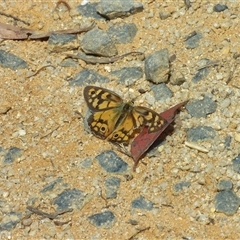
(41, 68)
(49, 132)
(48, 215)
(64, 3)
(103, 60)
(139, 231)
(15, 18)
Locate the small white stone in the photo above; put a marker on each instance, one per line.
(22, 132)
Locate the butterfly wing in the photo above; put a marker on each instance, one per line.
(100, 99)
(147, 117)
(132, 123)
(106, 107)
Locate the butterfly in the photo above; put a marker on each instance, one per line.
(113, 119)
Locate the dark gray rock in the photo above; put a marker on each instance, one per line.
(87, 76)
(161, 92)
(181, 185)
(9, 221)
(112, 185)
(12, 154)
(219, 7)
(157, 66)
(200, 75)
(227, 202)
(193, 40)
(70, 198)
(111, 162)
(122, 32)
(128, 75)
(98, 42)
(62, 42)
(69, 63)
(103, 219)
(8, 60)
(142, 203)
(224, 185)
(236, 164)
(114, 9)
(201, 108)
(89, 10)
(200, 133)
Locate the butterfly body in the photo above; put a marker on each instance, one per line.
(115, 120)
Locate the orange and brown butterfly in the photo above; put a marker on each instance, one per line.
(115, 120)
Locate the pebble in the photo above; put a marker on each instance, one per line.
(89, 10)
(115, 9)
(224, 185)
(181, 185)
(219, 7)
(156, 66)
(201, 108)
(62, 42)
(193, 40)
(200, 133)
(9, 60)
(111, 162)
(128, 75)
(12, 154)
(112, 185)
(97, 42)
(122, 33)
(70, 198)
(161, 92)
(236, 164)
(87, 76)
(10, 220)
(103, 220)
(237, 137)
(142, 203)
(177, 78)
(227, 202)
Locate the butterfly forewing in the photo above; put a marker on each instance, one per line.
(100, 99)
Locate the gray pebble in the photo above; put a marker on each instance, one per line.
(8, 60)
(161, 92)
(219, 7)
(157, 66)
(112, 185)
(164, 15)
(200, 75)
(200, 133)
(201, 108)
(224, 185)
(87, 76)
(227, 202)
(111, 162)
(128, 75)
(236, 164)
(69, 63)
(193, 40)
(122, 32)
(98, 42)
(114, 9)
(104, 219)
(89, 10)
(12, 154)
(56, 38)
(10, 220)
(142, 203)
(70, 198)
(181, 185)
